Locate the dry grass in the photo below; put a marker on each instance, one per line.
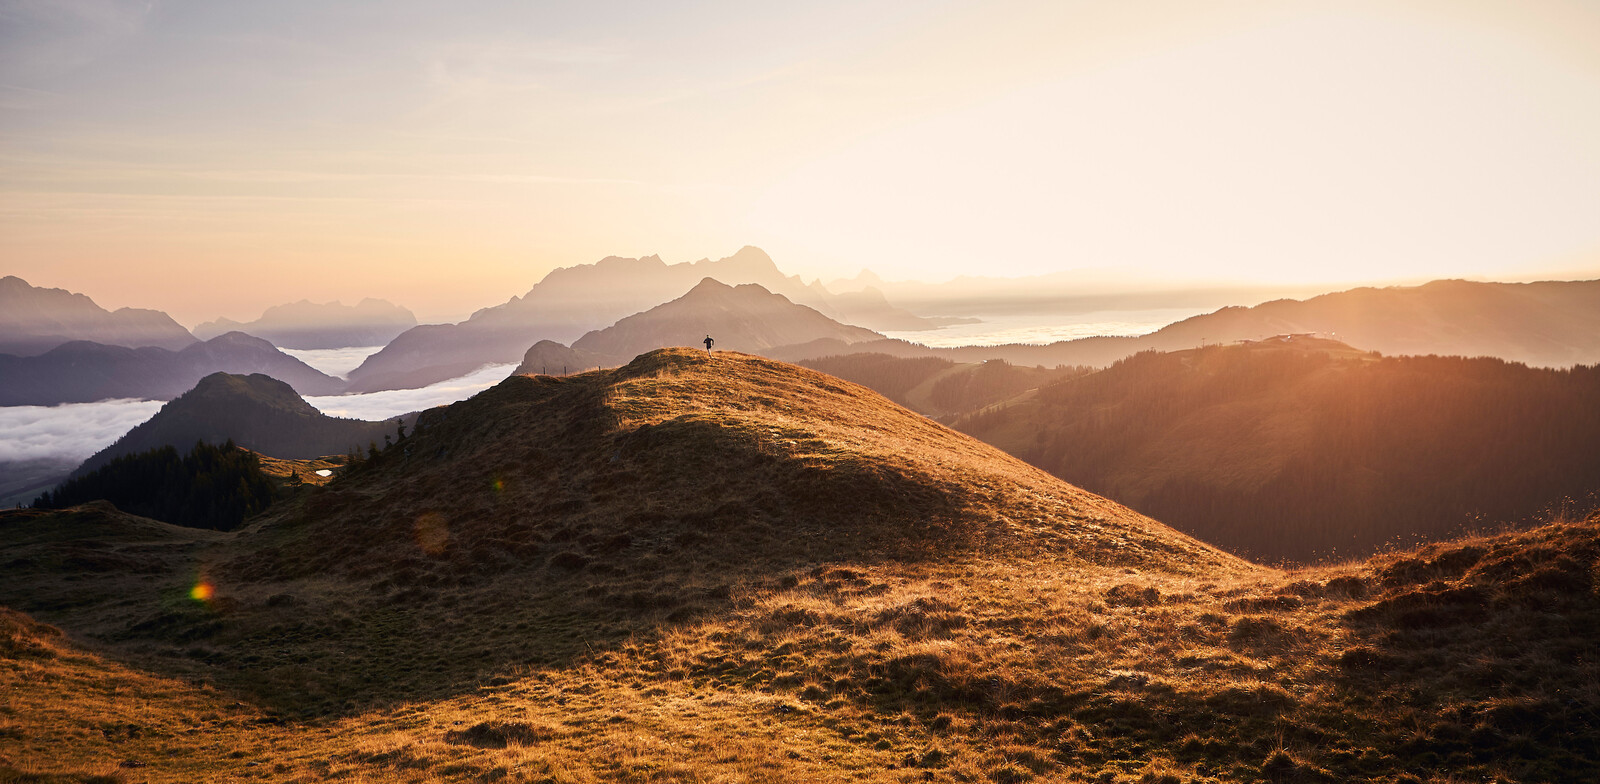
(770, 617)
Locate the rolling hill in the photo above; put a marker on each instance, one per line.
(257, 412)
(1304, 448)
(34, 320)
(83, 372)
(312, 325)
(703, 568)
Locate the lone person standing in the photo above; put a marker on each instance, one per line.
(709, 343)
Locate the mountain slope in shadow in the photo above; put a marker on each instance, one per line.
(257, 412)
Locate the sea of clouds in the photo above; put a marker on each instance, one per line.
(392, 403)
(333, 361)
(71, 431)
(74, 431)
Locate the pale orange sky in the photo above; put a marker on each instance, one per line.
(215, 159)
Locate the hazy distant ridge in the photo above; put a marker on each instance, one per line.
(312, 325)
(566, 304)
(746, 318)
(1548, 324)
(34, 320)
(83, 372)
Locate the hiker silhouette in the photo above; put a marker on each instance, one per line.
(709, 343)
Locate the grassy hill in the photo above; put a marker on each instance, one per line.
(1304, 448)
(724, 568)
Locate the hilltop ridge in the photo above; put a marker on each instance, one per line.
(678, 446)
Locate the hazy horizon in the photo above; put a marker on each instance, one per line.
(446, 158)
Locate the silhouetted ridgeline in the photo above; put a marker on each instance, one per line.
(1301, 454)
(211, 487)
(34, 320)
(83, 372)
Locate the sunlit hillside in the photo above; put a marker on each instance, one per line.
(722, 568)
(1303, 448)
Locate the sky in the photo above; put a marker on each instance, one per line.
(216, 158)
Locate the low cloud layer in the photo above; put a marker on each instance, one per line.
(72, 431)
(333, 361)
(383, 405)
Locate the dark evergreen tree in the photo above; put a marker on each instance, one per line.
(211, 487)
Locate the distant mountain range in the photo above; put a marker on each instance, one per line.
(746, 318)
(255, 411)
(311, 325)
(573, 301)
(566, 304)
(1300, 448)
(34, 320)
(83, 372)
(1547, 324)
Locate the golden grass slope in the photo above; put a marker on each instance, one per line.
(690, 569)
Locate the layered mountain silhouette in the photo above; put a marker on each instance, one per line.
(1547, 324)
(83, 372)
(563, 306)
(34, 320)
(255, 411)
(311, 325)
(1299, 448)
(746, 318)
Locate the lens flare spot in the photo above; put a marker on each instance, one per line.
(202, 591)
(432, 532)
(498, 485)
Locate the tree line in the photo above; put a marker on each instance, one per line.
(214, 487)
